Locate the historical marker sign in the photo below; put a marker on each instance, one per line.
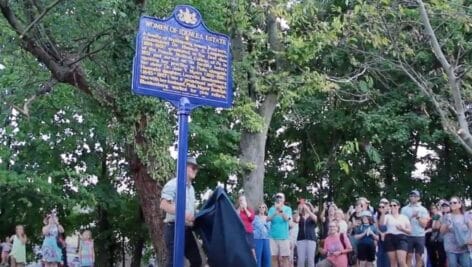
(180, 57)
(180, 60)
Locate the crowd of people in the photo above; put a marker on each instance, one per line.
(52, 252)
(392, 233)
(387, 235)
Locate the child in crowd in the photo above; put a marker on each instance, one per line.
(18, 251)
(6, 247)
(86, 250)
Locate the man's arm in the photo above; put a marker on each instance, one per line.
(423, 218)
(167, 206)
(270, 214)
(167, 196)
(286, 213)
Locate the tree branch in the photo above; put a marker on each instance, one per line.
(60, 69)
(453, 80)
(346, 80)
(44, 89)
(89, 54)
(37, 19)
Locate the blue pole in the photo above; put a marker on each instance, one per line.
(179, 233)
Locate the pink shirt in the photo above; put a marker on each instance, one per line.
(247, 220)
(332, 244)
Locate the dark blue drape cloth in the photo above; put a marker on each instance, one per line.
(223, 233)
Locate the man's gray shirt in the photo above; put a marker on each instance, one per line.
(169, 192)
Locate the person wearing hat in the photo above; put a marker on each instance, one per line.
(168, 205)
(419, 218)
(280, 215)
(366, 235)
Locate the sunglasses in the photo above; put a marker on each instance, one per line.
(393, 205)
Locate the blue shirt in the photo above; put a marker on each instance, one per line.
(422, 212)
(261, 228)
(279, 229)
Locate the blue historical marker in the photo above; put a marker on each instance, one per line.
(180, 60)
(179, 57)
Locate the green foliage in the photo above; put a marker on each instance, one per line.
(348, 122)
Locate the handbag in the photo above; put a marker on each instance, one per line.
(351, 256)
(462, 234)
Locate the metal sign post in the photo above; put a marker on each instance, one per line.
(179, 234)
(180, 60)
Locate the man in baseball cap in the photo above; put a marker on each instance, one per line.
(192, 161)
(419, 217)
(280, 215)
(168, 202)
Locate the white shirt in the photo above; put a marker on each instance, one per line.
(392, 223)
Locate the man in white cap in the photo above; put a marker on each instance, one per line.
(280, 215)
(168, 204)
(419, 218)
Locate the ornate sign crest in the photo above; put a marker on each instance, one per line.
(187, 16)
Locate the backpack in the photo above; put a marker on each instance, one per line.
(351, 256)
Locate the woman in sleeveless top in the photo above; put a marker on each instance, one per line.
(18, 250)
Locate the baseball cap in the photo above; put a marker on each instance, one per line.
(280, 195)
(192, 161)
(415, 193)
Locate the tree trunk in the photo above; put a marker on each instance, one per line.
(106, 243)
(138, 247)
(252, 147)
(148, 192)
(138, 244)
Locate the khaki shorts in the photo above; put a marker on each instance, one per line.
(280, 247)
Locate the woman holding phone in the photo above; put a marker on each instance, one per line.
(52, 254)
(247, 216)
(306, 238)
